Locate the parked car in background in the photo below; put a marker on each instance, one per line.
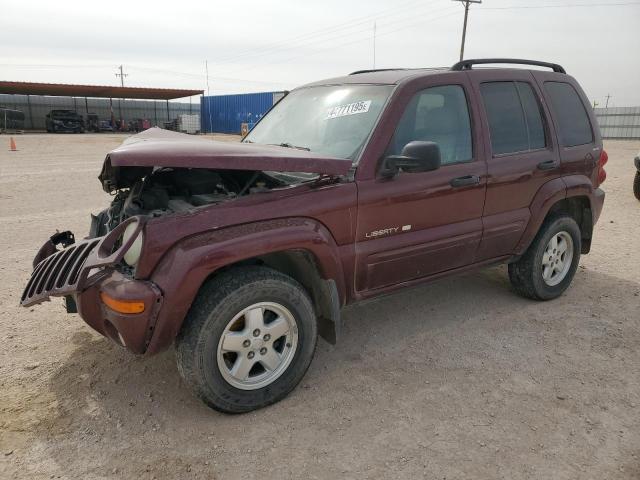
(636, 180)
(105, 126)
(241, 254)
(64, 121)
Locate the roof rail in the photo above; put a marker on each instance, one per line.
(402, 69)
(467, 64)
(357, 72)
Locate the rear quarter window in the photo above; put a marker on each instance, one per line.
(574, 127)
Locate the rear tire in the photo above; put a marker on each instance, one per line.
(220, 335)
(636, 185)
(546, 269)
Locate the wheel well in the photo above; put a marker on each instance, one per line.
(579, 208)
(302, 266)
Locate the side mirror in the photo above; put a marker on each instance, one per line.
(417, 156)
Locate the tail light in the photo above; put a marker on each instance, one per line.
(602, 175)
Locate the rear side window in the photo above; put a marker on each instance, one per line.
(573, 122)
(440, 115)
(515, 119)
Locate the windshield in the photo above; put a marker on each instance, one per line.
(331, 120)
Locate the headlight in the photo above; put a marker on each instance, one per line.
(132, 255)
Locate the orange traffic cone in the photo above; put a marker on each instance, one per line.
(12, 145)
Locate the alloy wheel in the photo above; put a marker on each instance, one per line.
(257, 346)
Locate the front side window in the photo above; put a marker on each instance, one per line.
(514, 116)
(331, 120)
(573, 122)
(440, 115)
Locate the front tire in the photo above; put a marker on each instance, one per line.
(547, 268)
(248, 339)
(636, 185)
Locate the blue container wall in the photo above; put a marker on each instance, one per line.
(225, 113)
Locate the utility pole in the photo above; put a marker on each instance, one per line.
(607, 104)
(464, 28)
(374, 45)
(209, 104)
(121, 75)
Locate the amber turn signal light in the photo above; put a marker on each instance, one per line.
(122, 306)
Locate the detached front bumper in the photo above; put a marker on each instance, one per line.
(86, 271)
(132, 330)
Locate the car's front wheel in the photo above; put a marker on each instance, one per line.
(248, 339)
(636, 185)
(547, 268)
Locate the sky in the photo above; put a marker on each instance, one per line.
(257, 46)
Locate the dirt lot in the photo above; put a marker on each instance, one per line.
(456, 379)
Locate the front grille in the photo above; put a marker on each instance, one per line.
(58, 274)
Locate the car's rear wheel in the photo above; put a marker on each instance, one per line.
(636, 185)
(547, 268)
(248, 339)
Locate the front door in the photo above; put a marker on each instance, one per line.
(419, 224)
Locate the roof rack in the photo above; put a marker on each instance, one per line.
(403, 69)
(357, 72)
(467, 64)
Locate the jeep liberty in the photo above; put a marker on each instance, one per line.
(241, 254)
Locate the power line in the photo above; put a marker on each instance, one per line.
(567, 5)
(323, 32)
(401, 21)
(366, 38)
(286, 43)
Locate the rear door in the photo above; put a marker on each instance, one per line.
(521, 154)
(419, 224)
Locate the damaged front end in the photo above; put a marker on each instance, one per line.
(92, 277)
(106, 277)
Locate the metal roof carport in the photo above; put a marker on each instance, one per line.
(94, 91)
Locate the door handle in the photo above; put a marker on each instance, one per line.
(548, 165)
(465, 181)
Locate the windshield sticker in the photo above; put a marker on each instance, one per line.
(350, 109)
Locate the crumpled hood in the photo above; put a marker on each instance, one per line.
(163, 148)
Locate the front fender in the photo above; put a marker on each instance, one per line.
(187, 264)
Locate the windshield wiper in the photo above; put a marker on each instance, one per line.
(289, 145)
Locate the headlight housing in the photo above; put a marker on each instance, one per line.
(132, 255)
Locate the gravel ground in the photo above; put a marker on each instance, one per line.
(457, 379)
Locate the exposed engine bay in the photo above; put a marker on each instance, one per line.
(161, 191)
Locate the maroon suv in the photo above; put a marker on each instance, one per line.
(243, 253)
